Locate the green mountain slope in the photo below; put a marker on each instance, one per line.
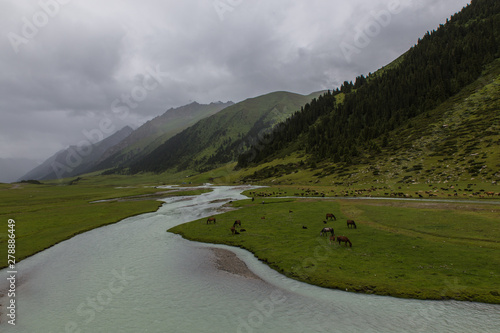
(376, 116)
(73, 160)
(156, 131)
(218, 139)
(458, 141)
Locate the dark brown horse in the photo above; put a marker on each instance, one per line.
(351, 223)
(237, 222)
(326, 230)
(344, 239)
(331, 216)
(211, 219)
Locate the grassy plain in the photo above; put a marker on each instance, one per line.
(413, 249)
(428, 249)
(48, 214)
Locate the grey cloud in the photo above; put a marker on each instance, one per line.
(65, 79)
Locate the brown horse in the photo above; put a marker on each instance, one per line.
(351, 223)
(331, 216)
(332, 239)
(237, 222)
(344, 239)
(326, 230)
(234, 231)
(211, 219)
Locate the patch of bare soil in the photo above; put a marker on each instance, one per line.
(228, 261)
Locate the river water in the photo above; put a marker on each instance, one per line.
(134, 276)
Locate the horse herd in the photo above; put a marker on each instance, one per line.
(340, 239)
(324, 231)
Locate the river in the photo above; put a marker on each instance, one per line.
(133, 276)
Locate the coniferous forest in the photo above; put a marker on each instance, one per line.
(442, 63)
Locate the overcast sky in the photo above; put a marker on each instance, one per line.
(72, 68)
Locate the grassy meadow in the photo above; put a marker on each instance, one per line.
(413, 249)
(442, 247)
(48, 214)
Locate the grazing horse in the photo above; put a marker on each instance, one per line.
(237, 222)
(344, 239)
(326, 230)
(234, 231)
(211, 219)
(351, 223)
(331, 216)
(332, 239)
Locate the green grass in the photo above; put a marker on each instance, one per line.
(403, 249)
(48, 214)
(417, 249)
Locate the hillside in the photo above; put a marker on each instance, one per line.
(75, 160)
(435, 106)
(218, 139)
(156, 131)
(458, 141)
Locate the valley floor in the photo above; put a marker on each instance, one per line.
(436, 247)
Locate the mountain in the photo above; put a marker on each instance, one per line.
(75, 160)
(156, 131)
(435, 106)
(219, 139)
(12, 168)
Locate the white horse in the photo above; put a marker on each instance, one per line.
(326, 230)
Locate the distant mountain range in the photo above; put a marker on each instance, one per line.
(155, 132)
(217, 140)
(73, 160)
(197, 136)
(124, 146)
(430, 115)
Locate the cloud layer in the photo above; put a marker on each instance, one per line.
(68, 64)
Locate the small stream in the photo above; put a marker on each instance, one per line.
(133, 276)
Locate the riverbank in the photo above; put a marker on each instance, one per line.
(421, 250)
(46, 214)
(228, 261)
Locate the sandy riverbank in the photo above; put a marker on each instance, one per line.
(228, 261)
